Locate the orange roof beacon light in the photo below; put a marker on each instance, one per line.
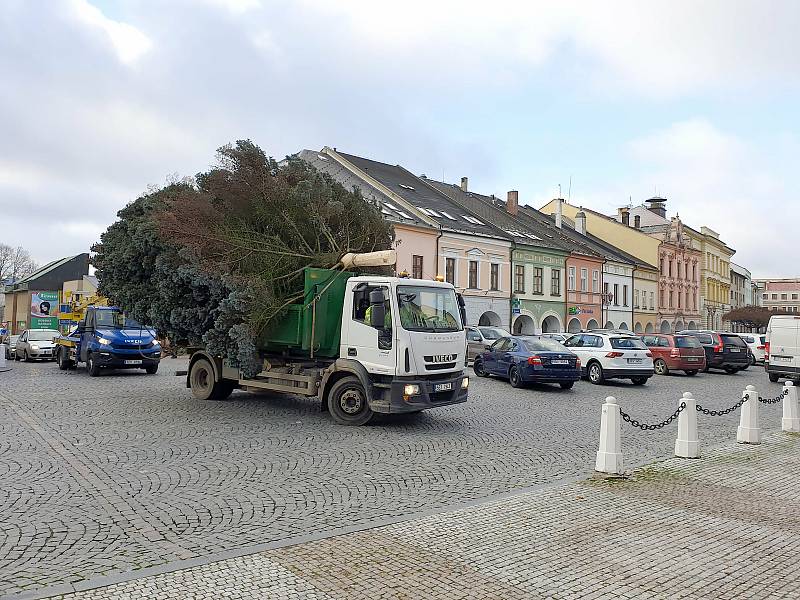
(440, 278)
(403, 274)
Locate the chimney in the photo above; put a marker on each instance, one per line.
(580, 222)
(626, 216)
(558, 212)
(512, 204)
(657, 205)
(464, 184)
(637, 221)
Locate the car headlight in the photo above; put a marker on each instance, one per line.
(410, 389)
(34, 347)
(104, 341)
(465, 383)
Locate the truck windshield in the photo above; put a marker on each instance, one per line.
(424, 308)
(115, 319)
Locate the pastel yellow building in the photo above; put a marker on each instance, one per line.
(634, 242)
(715, 281)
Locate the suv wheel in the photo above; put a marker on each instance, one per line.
(595, 373)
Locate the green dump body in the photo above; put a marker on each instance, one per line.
(316, 321)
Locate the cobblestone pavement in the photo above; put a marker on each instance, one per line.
(725, 526)
(101, 476)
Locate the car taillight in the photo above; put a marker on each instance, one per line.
(578, 362)
(613, 354)
(718, 347)
(534, 360)
(675, 353)
(766, 350)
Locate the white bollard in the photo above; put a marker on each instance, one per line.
(791, 421)
(749, 431)
(686, 443)
(609, 455)
(2, 356)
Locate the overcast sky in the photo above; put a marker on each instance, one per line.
(697, 101)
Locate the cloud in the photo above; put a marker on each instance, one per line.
(128, 42)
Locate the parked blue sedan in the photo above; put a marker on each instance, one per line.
(529, 359)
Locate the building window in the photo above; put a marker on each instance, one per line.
(584, 280)
(494, 277)
(635, 298)
(519, 278)
(670, 298)
(596, 281)
(416, 266)
(783, 296)
(450, 270)
(473, 274)
(652, 300)
(794, 296)
(694, 272)
(669, 264)
(555, 282)
(686, 304)
(774, 296)
(661, 298)
(624, 295)
(616, 295)
(679, 269)
(571, 279)
(765, 296)
(694, 300)
(663, 272)
(538, 280)
(679, 299)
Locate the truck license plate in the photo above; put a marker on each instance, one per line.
(133, 362)
(442, 387)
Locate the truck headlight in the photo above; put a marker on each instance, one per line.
(104, 341)
(465, 383)
(410, 389)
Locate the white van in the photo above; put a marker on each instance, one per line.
(782, 352)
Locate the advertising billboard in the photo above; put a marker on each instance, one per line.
(44, 310)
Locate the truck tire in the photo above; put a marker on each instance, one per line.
(91, 366)
(347, 402)
(204, 387)
(64, 362)
(151, 369)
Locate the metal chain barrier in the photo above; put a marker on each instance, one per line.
(719, 413)
(774, 400)
(644, 426)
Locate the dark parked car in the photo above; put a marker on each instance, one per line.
(675, 353)
(726, 351)
(529, 359)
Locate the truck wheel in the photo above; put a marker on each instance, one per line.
(773, 377)
(201, 380)
(91, 366)
(64, 363)
(152, 369)
(347, 402)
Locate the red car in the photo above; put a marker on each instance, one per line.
(675, 353)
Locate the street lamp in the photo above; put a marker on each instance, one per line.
(607, 298)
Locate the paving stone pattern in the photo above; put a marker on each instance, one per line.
(725, 526)
(100, 476)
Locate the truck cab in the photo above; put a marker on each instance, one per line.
(105, 338)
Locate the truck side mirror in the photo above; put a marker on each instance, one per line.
(462, 309)
(377, 317)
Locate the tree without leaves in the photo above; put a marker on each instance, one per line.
(751, 316)
(15, 263)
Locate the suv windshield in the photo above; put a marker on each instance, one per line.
(628, 343)
(685, 341)
(493, 333)
(42, 335)
(428, 308)
(732, 340)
